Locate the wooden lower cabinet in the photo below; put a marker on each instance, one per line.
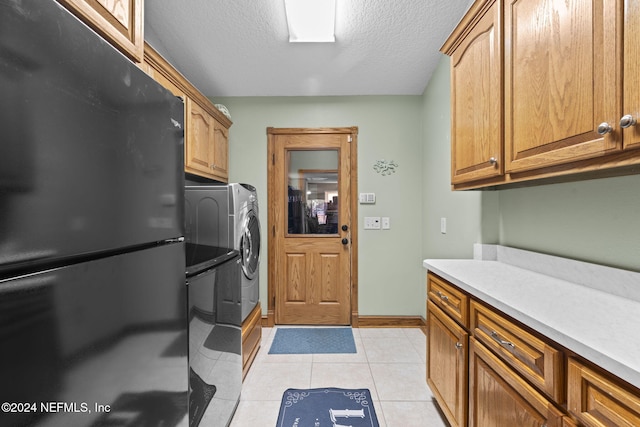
(494, 371)
(499, 397)
(568, 422)
(452, 301)
(534, 358)
(597, 399)
(447, 364)
(251, 337)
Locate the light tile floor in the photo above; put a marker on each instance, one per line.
(390, 362)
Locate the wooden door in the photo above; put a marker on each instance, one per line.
(310, 225)
(562, 80)
(447, 364)
(499, 397)
(476, 98)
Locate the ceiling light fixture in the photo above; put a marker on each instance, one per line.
(311, 20)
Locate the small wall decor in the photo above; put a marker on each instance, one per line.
(385, 167)
(224, 110)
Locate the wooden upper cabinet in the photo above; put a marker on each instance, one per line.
(220, 151)
(206, 137)
(476, 94)
(206, 143)
(544, 89)
(562, 80)
(631, 83)
(118, 21)
(199, 151)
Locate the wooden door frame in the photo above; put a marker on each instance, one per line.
(271, 214)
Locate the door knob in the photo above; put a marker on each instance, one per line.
(345, 227)
(345, 241)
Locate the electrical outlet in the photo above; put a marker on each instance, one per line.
(443, 225)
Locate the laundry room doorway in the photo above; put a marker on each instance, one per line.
(312, 226)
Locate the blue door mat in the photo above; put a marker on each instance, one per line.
(313, 341)
(327, 407)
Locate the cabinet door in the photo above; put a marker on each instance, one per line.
(199, 140)
(562, 79)
(598, 400)
(476, 101)
(499, 397)
(631, 97)
(447, 364)
(119, 21)
(220, 151)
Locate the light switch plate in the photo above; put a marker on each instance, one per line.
(372, 223)
(386, 223)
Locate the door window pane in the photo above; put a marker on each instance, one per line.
(312, 206)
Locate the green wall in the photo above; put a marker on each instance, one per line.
(470, 215)
(391, 278)
(596, 221)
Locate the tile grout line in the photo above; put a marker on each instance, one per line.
(375, 385)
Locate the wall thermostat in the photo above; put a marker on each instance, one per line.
(367, 198)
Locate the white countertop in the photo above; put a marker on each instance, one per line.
(601, 326)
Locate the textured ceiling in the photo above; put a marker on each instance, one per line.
(241, 47)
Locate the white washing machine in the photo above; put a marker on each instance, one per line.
(227, 216)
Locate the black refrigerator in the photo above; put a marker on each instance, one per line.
(93, 304)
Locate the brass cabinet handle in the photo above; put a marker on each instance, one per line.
(627, 121)
(604, 128)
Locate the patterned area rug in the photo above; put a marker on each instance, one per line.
(327, 407)
(313, 340)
